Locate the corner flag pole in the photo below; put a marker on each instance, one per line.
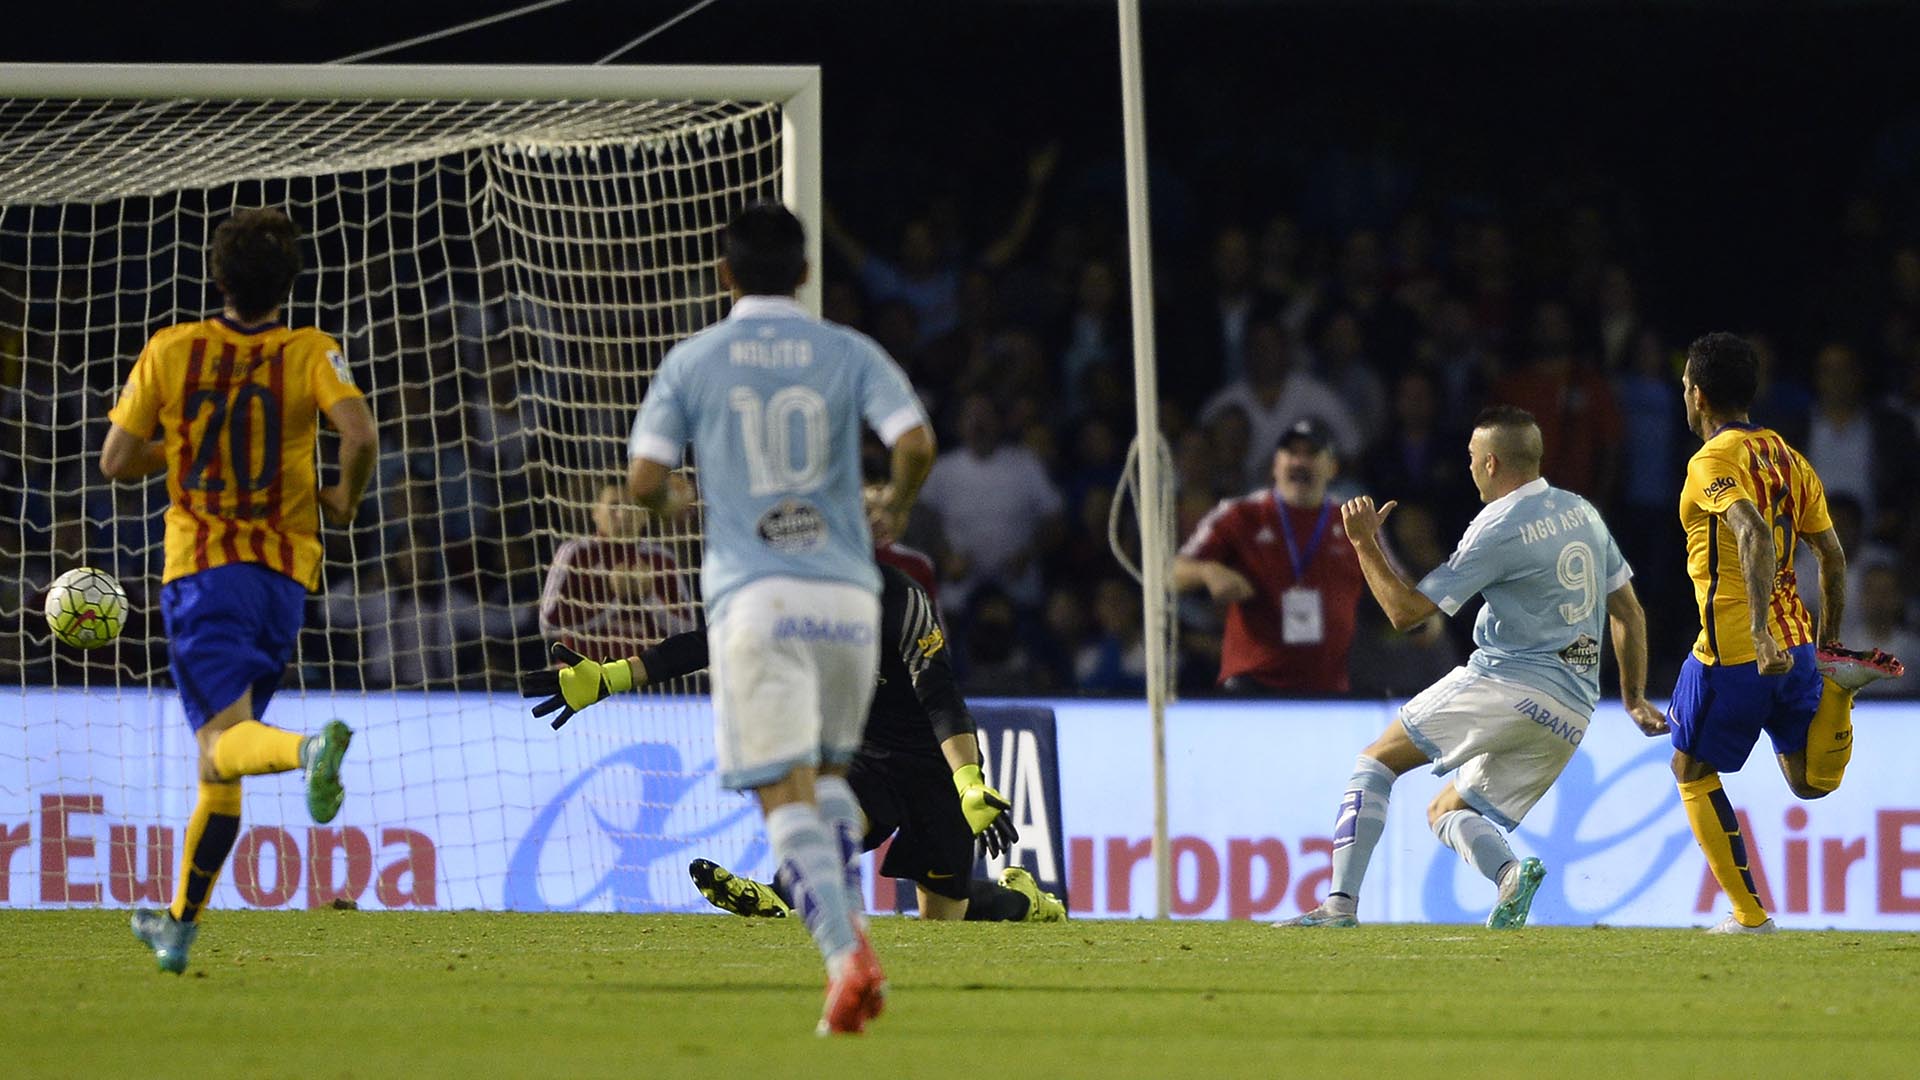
(1154, 559)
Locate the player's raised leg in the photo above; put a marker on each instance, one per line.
(1830, 736)
(1475, 839)
(231, 631)
(1524, 745)
(1479, 842)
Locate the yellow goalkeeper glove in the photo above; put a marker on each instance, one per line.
(985, 810)
(576, 684)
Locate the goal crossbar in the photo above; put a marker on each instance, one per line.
(796, 88)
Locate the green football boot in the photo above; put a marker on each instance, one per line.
(729, 892)
(1041, 906)
(1516, 895)
(169, 939)
(320, 756)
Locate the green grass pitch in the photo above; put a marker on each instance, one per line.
(363, 994)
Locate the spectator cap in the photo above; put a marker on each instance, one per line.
(1311, 429)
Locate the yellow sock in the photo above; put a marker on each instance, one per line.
(1830, 737)
(211, 831)
(250, 748)
(1718, 832)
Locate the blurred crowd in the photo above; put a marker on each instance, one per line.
(1392, 325)
(1394, 332)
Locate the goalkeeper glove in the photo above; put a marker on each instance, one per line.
(985, 810)
(577, 684)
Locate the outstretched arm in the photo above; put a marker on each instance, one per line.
(579, 682)
(1405, 605)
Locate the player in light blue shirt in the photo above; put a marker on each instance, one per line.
(1507, 722)
(772, 401)
(1543, 560)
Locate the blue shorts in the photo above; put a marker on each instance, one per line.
(1718, 712)
(229, 630)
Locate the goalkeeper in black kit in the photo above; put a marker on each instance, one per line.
(917, 774)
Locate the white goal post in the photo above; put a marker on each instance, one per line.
(505, 253)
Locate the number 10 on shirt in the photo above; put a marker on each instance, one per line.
(767, 436)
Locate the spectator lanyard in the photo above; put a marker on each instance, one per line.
(1302, 617)
(1300, 563)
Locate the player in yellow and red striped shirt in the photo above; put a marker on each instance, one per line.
(236, 400)
(1749, 499)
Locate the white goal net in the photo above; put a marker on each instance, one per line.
(504, 272)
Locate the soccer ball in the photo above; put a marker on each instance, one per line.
(86, 607)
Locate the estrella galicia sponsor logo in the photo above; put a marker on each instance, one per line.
(1719, 486)
(792, 526)
(1583, 655)
(617, 837)
(1560, 724)
(822, 631)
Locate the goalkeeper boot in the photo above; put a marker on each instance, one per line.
(1851, 669)
(1732, 925)
(320, 756)
(729, 892)
(1323, 915)
(1041, 906)
(168, 937)
(856, 995)
(1516, 894)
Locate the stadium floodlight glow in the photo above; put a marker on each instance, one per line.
(505, 253)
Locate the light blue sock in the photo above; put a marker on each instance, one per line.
(1477, 840)
(840, 812)
(809, 857)
(1363, 817)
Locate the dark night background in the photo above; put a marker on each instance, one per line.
(1753, 167)
(1734, 134)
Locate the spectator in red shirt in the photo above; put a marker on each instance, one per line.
(616, 592)
(1280, 560)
